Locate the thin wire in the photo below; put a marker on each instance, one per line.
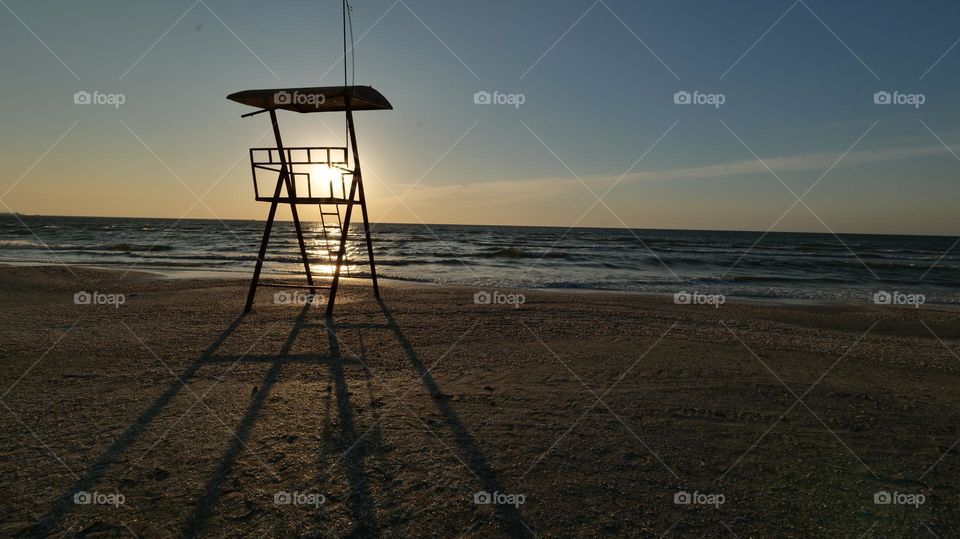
(353, 51)
(346, 127)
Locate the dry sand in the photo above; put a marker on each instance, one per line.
(593, 409)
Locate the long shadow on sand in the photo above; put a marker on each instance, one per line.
(360, 504)
(508, 516)
(359, 501)
(64, 503)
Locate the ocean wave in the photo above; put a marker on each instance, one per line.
(123, 247)
(516, 252)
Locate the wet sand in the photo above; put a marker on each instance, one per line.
(597, 411)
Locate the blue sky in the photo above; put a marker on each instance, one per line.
(598, 79)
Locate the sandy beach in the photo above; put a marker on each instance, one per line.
(575, 414)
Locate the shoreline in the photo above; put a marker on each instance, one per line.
(236, 275)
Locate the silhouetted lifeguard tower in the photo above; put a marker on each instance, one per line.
(294, 170)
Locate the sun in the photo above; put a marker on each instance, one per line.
(325, 181)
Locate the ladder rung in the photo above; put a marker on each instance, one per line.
(330, 213)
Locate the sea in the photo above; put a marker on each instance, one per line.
(765, 266)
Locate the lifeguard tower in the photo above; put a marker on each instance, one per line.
(327, 177)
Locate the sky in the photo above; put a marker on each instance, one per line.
(786, 135)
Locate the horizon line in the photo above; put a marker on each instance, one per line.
(758, 231)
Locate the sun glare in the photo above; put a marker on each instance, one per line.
(325, 180)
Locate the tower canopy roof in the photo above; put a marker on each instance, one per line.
(313, 99)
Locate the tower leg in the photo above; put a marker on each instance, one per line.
(345, 229)
(366, 231)
(263, 247)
